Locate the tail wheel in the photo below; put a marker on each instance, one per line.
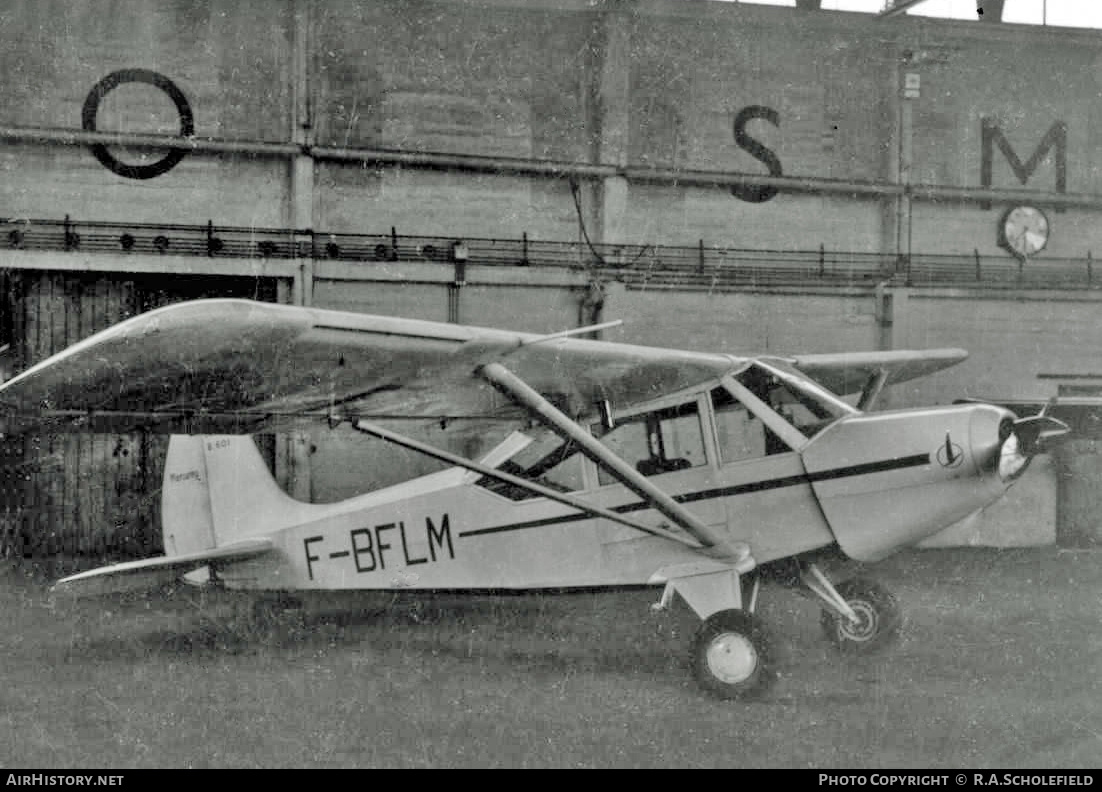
(730, 655)
(878, 615)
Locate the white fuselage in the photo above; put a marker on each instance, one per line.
(871, 483)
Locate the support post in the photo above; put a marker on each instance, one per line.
(293, 469)
(906, 157)
(614, 120)
(302, 122)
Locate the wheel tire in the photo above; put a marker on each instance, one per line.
(731, 656)
(878, 611)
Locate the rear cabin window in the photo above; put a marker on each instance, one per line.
(804, 409)
(548, 460)
(741, 434)
(657, 442)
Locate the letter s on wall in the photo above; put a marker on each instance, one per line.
(754, 193)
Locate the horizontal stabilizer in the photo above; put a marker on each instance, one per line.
(152, 572)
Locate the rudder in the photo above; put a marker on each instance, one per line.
(187, 523)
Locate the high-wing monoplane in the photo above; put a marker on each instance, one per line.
(700, 473)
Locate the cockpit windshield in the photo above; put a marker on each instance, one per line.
(802, 402)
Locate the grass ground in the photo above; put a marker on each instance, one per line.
(998, 666)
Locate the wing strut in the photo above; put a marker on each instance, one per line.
(536, 489)
(872, 389)
(503, 379)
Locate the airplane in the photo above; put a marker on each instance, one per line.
(619, 465)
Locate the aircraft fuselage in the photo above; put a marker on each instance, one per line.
(871, 483)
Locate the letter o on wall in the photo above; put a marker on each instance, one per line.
(101, 152)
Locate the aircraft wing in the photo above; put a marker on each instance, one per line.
(152, 572)
(851, 372)
(236, 366)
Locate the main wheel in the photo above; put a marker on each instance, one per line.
(730, 655)
(878, 616)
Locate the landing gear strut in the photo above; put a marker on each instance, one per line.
(730, 655)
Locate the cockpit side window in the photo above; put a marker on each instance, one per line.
(800, 407)
(548, 460)
(656, 442)
(740, 433)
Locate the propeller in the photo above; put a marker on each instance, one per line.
(1021, 439)
(1040, 433)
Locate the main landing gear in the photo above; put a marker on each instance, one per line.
(731, 656)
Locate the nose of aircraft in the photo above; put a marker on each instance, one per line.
(1004, 444)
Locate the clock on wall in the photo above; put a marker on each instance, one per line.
(1024, 231)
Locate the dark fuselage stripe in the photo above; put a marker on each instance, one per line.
(532, 524)
(725, 492)
(871, 467)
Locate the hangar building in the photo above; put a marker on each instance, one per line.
(721, 176)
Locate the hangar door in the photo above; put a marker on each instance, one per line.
(87, 498)
(1079, 499)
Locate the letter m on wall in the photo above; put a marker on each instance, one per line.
(1056, 138)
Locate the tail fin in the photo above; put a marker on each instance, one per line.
(218, 490)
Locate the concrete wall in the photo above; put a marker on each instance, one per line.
(1021, 344)
(230, 60)
(655, 92)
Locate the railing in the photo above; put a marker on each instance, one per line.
(701, 266)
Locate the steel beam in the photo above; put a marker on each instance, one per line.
(519, 166)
